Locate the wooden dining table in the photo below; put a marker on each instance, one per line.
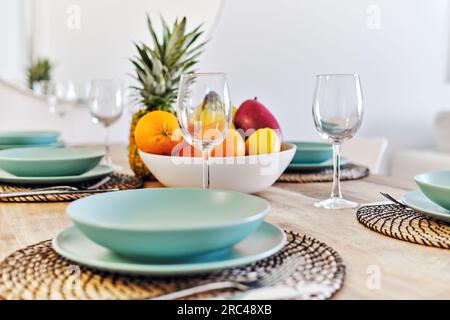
(403, 270)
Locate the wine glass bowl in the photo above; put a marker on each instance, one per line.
(56, 93)
(337, 107)
(106, 104)
(204, 112)
(337, 114)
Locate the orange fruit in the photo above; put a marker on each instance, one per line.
(232, 146)
(157, 132)
(184, 149)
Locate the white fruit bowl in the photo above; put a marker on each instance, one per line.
(247, 174)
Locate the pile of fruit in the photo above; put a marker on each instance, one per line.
(254, 130)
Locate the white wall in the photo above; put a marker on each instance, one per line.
(101, 45)
(273, 49)
(13, 48)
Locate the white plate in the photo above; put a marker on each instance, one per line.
(264, 242)
(418, 201)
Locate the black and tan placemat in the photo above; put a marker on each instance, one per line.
(405, 224)
(118, 180)
(38, 272)
(349, 172)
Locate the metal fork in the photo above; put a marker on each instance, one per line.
(392, 199)
(71, 188)
(267, 280)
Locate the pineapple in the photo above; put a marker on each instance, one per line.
(157, 71)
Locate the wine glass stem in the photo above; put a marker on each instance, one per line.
(336, 191)
(205, 163)
(108, 160)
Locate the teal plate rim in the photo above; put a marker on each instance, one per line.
(166, 269)
(320, 165)
(56, 144)
(96, 173)
(36, 136)
(433, 210)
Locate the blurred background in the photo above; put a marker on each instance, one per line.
(269, 49)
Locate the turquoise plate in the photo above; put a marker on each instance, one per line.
(436, 186)
(28, 137)
(57, 144)
(264, 242)
(418, 201)
(98, 172)
(49, 162)
(314, 166)
(312, 152)
(168, 223)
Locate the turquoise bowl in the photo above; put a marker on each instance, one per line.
(49, 162)
(312, 152)
(168, 223)
(436, 187)
(28, 137)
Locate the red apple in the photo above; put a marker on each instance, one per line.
(253, 115)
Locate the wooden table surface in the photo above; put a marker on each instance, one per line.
(406, 270)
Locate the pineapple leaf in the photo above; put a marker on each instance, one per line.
(158, 67)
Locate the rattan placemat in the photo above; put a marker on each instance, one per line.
(118, 180)
(405, 224)
(349, 172)
(38, 272)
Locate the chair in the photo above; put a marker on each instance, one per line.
(406, 164)
(368, 152)
(442, 130)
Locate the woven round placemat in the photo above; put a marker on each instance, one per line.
(118, 180)
(405, 224)
(349, 172)
(38, 272)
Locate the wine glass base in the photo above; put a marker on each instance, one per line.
(336, 203)
(116, 167)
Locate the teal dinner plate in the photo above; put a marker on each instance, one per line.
(168, 223)
(314, 166)
(98, 172)
(57, 144)
(312, 152)
(418, 201)
(49, 162)
(28, 137)
(435, 186)
(262, 243)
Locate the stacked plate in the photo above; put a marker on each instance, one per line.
(26, 139)
(433, 196)
(50, 166)
(169, 231)
(311, 156)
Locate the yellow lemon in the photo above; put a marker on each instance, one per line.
(233, 115)
(263, 141)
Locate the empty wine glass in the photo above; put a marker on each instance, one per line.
(204, 113)
(337, 113)
(56, 93)
(106, 104)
